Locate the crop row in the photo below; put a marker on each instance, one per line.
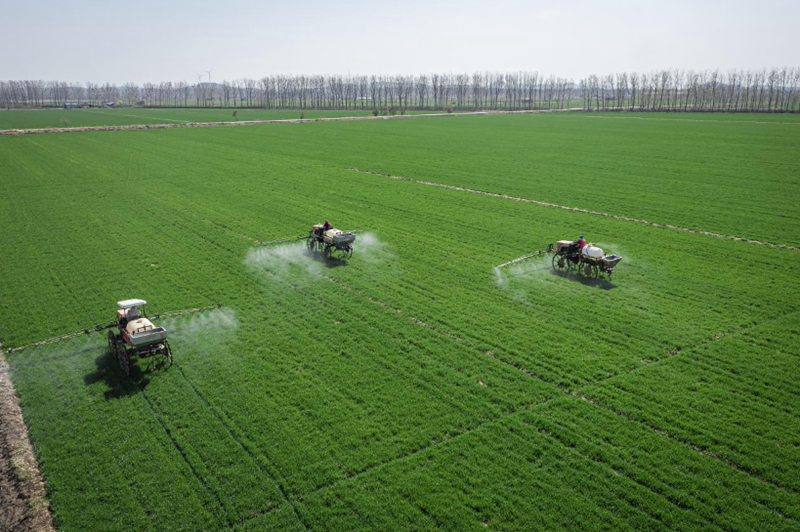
(565, 464)
(732, 398)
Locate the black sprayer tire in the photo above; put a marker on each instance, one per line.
(124, 361)
(112, 344)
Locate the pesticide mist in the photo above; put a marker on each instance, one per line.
(294, 263)
(532, 269)
(89, 346)
(291, 263)
(207, 334)
(201, 322)
(371, 249)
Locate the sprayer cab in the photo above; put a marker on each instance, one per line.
(129, 310)
(137, 335)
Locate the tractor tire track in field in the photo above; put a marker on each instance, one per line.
(578, 209)
(266, 122)
(188, 462)
(256, 460)
(23, 493)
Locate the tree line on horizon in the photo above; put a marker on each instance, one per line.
(775, 89)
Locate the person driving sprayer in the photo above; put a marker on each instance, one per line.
(581, 243)
(327, 225)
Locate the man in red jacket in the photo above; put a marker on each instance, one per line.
(581, 242)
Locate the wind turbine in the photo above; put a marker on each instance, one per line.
(199, 78)
(209, 75)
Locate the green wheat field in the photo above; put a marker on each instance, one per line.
(414, 385)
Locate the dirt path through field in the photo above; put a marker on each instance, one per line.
(264, 122)
(577, 209)
(23, 496)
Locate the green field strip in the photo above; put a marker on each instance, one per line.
(246, 447)
(281, 519)
(457, 483)
(715, 337)
(672, 499)
(577, 209)
(218, 457)
(236, 122)
(467, 343)
(685, 349)
(618, 471)
(200, 478)
(408, 455)
(733, 119)
(772, 504)
(696, 448)
(721, 415)
(52, 118)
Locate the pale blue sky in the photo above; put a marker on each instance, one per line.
(89, 40)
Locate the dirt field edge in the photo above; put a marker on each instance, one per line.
(23, 494)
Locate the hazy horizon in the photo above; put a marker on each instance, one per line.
(94, 41)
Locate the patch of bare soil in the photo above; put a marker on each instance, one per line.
(23, 497)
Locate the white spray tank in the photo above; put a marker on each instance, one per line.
(593, 252)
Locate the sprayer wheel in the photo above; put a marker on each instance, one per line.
(112, 344)
(560, 263)
(124, 362)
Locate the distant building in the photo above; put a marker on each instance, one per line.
(72, 105)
